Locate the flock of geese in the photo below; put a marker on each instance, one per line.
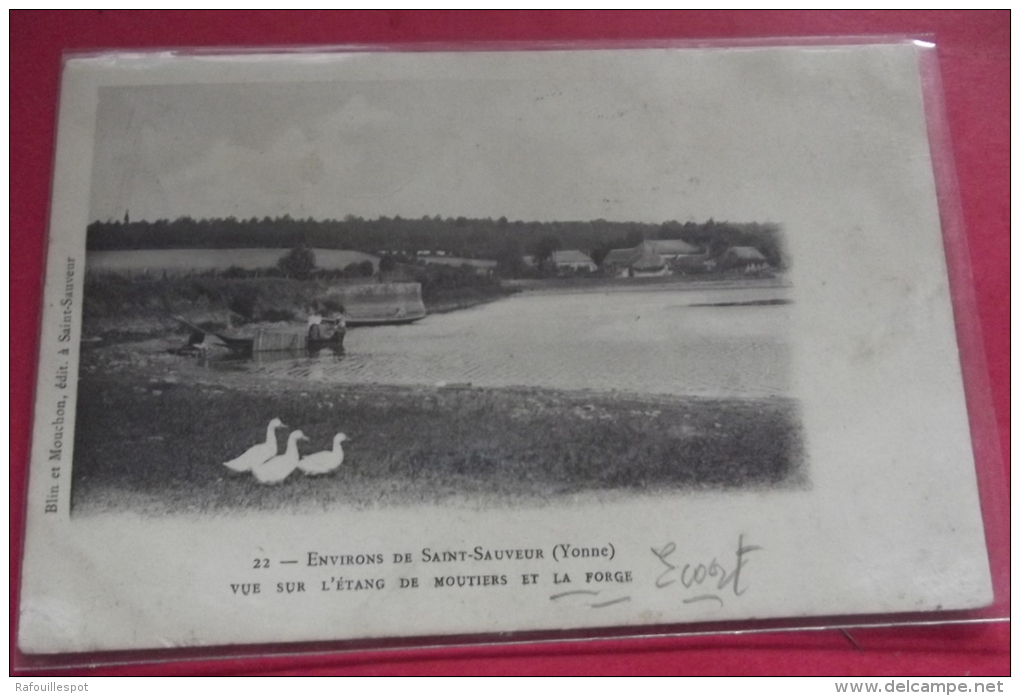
(268, 466)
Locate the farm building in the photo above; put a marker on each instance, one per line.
(672, 249)
(617, 261)
(640, 261)
(744, 258)
(572, 260)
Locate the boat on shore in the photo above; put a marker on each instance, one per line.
(383, 320)
(376, 304)
(262, 341)
(379, 304)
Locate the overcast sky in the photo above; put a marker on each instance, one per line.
(730, 135)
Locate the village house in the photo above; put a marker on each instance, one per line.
(573, 260)
(743, 258)
(672, 249)
(638, 262)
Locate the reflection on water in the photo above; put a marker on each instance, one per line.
(720, 342)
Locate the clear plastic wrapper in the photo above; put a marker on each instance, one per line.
(620, 340)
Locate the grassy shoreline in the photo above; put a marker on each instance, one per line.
(415, 445)
(123, 308)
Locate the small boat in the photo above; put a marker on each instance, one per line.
(367, 304)
(385, 316)
(283, 341)
(380, 304)
(382, 321)
(265, 340)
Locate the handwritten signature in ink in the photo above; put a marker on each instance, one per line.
(705, 576)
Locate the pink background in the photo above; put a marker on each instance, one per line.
(974, 58)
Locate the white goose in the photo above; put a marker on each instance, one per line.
(260, 452)
(325, 461)
(280, 467)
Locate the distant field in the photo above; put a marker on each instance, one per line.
(182, 261)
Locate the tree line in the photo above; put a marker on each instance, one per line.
(500, 239)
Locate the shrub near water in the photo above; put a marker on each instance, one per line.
(112, 298)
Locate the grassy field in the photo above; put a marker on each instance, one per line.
(158, 446)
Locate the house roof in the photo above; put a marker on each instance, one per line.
(671, 246)
(571, 256)
(744, 253)
(622, 257)
(641, 256)
(648, 258)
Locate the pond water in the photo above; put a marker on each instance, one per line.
(661, 340)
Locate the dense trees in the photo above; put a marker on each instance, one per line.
(510, 258)
(299, 263)
(500, 240)
(544, 248)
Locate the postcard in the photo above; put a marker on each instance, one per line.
(354, 345)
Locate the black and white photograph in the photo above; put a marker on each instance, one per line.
(501, 340)
(410, 292)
